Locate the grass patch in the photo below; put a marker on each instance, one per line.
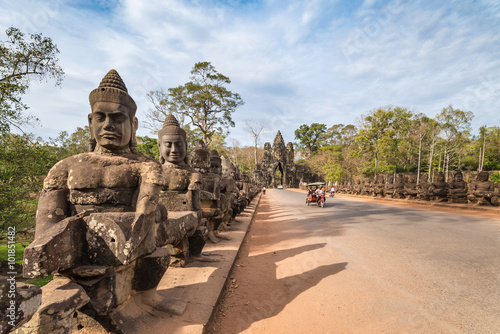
(19, 252)
(40, 281)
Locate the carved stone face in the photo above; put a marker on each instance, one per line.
(483, 176)
(458, 177)
(111, 125)
(173, 149)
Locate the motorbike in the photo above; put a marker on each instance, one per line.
(321, 200)
(332, 194)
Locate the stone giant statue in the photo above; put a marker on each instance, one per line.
(97, 214)
(180, 194)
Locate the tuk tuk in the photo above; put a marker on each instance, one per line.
(311, 195)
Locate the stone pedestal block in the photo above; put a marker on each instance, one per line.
(19, 301)
(61, 247)
(60, 300)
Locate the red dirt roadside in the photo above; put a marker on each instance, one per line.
(292, 275)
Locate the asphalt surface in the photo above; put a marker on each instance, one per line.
(364, 267)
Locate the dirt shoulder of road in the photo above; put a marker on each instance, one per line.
(467, 209)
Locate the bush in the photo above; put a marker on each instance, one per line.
(24, 163)
(495, 177)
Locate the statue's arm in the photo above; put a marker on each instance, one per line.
(53, 201)
(151, 183)
(196, 182)
(52, 208)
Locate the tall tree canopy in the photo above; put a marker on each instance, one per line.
(23, 59)
(455, 127)
(204, 101)
(310, 136)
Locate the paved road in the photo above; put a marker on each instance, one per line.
(363, 267)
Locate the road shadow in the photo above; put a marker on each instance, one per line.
(258, 294)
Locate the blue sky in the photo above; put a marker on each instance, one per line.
(292, 62)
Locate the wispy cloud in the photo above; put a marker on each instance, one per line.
(295, 63)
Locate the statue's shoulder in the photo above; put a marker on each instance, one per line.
(142, 159)
(150, 169)
(58, 174)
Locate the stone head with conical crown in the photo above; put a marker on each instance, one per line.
(112, 121)
(172, 142)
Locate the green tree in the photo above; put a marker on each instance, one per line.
(423, 131)
(455, 127)
(371, 134)
(204, 101)
(311, 136)
(21, 60)
(483, 153)
(148, 146)
(24, 163)
(76, 143)
(340, 134)
(397, 132)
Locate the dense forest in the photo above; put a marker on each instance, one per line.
(395, 139)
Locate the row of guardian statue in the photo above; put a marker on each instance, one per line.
(481, 191)
(110, 221)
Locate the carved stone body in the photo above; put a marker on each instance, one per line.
(495, 200)
(208, 164)
(399, 187)
(389, 187)
(423, 188)
(482, 189)
(379, 188)
(97, 215)
(180, 196)
(367, 188)
(458, 189)
(410, 191)
(438, 191)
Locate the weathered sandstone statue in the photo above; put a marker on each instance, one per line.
(399, 187)
(180, 195)
(349, 187)
(367, 188)
(208, 165)
(423, 188)
(379, 188)
(411, 191)
(495, 200)
(458, 188)
(482, 189)
(358, 188)
(229, 191)
(389, 186)
(96, 219)
(438, 191)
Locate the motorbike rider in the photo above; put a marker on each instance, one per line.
(321, 192)
(332, 191)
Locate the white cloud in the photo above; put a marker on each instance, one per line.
(317, 61)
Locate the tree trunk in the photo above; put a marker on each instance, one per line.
(484, 150)
(431, 156)
(419, 155)
(479, 167)
(439, 163)
(447, 165)
(255, 151)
